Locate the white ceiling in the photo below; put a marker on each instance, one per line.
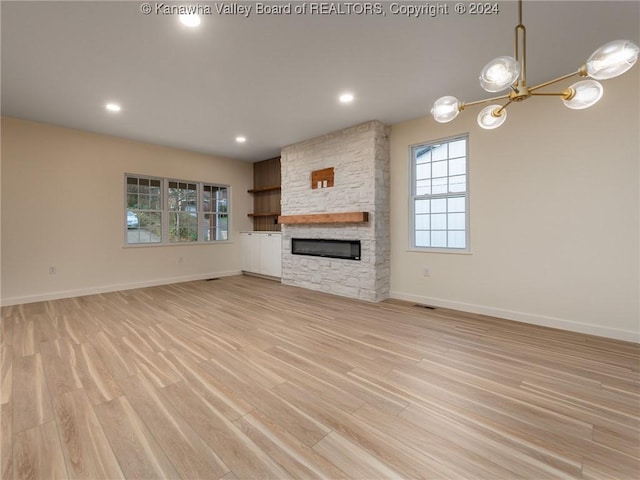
(274, 79)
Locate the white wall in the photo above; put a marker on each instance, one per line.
(63, 205)
(554, 216)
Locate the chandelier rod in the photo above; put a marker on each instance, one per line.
(519, 12)
(521, 30)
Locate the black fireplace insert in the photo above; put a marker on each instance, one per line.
(322, 247)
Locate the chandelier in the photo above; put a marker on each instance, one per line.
(502, 73)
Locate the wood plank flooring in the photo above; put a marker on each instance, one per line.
(244, 378)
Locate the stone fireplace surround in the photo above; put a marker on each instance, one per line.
(360, 158)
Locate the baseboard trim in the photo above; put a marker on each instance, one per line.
(259, 275)
(112, 288)
(534, 319)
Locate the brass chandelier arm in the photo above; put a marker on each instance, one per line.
(582, 71)
(479, 102)
(552, 94)
(498, 112)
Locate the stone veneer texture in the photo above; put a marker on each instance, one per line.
(360, 158)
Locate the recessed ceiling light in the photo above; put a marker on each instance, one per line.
(190, 19)
(241, 139)
(346, 98)
(112, 107)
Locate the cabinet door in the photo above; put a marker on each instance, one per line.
(271, 254)
(250, 246)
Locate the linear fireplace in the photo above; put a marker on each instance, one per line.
(319, 247)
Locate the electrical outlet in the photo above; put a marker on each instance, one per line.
(53, 270)
(426, 272)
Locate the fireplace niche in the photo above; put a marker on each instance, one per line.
(327, 248)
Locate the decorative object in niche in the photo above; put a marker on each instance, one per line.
(322, 178)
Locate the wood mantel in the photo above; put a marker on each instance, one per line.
(312, 218)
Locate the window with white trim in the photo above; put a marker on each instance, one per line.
(169, 211)
(439, 196)
(144, 209)
(183, 211)
(215, 208)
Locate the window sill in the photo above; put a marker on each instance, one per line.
(439, 250)
(179, 244)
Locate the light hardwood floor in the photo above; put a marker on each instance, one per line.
(243, 378)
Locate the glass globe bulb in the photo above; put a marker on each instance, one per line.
(445, 109)
(499, 74)
(612, 59)
(488, 120)
(584, 94)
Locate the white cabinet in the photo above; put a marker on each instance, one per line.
(262, 253)
(271, 254)
(250, 243)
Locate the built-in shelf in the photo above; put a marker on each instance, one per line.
(265, 189)
(272, 214)
(313, 218)
(266, 195)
